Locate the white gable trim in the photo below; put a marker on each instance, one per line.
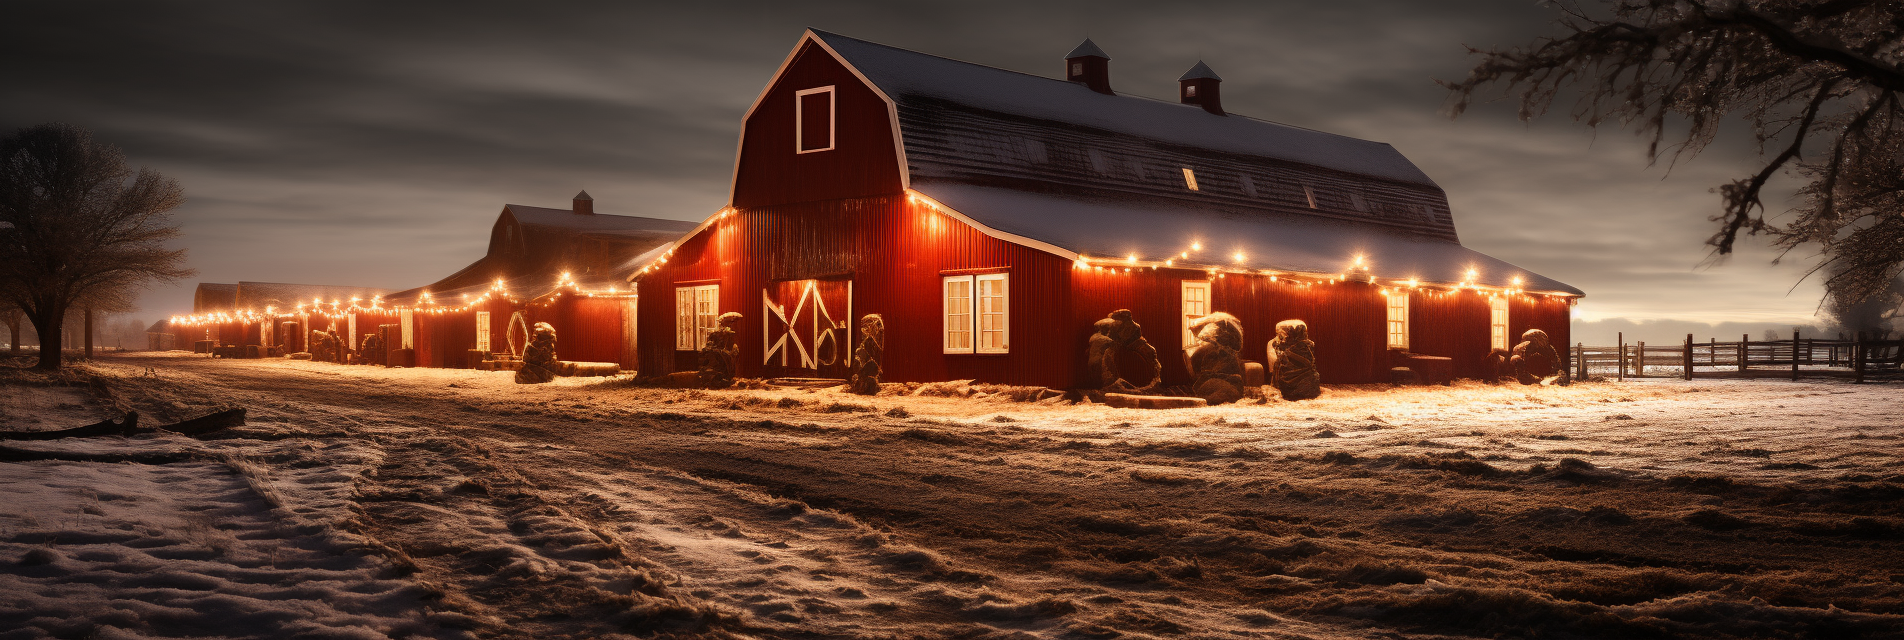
(892, 111)
(1001, 235)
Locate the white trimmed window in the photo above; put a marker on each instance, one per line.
(352, 323)
(813, 120)
(977, 313)
(1398, 320)
(1196, 304)
(697, 311)
(1497, 322)
(482, 330)
(407, 320)
(1189, 178)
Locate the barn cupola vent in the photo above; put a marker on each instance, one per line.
(1089, 65)
(1198, 86)
(584, 205)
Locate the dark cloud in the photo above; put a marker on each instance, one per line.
(372, 142)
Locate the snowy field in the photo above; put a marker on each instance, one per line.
(370, 502)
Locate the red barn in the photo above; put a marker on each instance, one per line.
(991, 216)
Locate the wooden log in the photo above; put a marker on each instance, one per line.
(1127, 401)
(108, 427)
(209, 422)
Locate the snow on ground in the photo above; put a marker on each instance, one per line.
(446, 503)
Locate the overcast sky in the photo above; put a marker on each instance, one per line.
(373, 143)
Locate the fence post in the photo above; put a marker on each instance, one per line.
(1794, 354)
(1745, 349)
(1857, 359)
(1580, 360)
(1712, 353)
(1688, 356)
(1619, 361)
(1639, 358)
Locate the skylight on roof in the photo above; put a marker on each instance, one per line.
(1189, 178)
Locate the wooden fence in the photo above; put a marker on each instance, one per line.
(1857, 359)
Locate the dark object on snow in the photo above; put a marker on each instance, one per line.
(538, 359)
(1498, 366)
(1292, 362)
(324, 346)
(1216, 360)
(1536, 362)
(108, 427)
(209, 422)
(1423, 368)
(867, 358)
(1119, 353)
(720, 355)
(373, 350)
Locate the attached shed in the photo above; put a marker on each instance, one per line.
(991, 216)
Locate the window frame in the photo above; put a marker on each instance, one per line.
(948, 325)
(1396, 337)
(971, 318)
(980, 315)
(1498, 318)
(482, 331)
(1183, 306)
(800, 120)
(697, 312)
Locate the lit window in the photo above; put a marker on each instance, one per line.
(1190, 178)
(697, 312)
(1196, 304)
(1190, 91)
(977, 314)
(1398, 320)
(813, 120)
(482, 330)
(1497, 322)
(353, 330)
(408, 319)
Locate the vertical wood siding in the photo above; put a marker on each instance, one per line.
(894, 252)
(862, 163)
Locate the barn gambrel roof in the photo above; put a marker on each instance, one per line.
(1050, 161)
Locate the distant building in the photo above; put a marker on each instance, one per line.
(991, 216)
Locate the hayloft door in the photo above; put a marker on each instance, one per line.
(808, 329)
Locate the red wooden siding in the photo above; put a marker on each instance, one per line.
(895, 253)
(863, 161)
(586, 329)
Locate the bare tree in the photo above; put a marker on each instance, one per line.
(1817, 80)
(82, 227)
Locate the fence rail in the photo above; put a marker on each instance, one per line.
(1858, 359)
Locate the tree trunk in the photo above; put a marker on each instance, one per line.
(47, 324)
(89, 333)
(13, 325)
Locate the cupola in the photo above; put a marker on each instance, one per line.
(1089, 65)
(1198, 86)
(583, 204)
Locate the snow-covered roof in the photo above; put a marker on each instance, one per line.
(909, 75)
(258, 295)
(1102, 228)
(1087, 49)
(1199, 71)
(599, 223)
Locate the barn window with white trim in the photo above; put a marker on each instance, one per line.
(1196, 304)
(813, 120)
(697, 311)
(482, 331)
(958, 314)
(977, 313)
(1398, 320)
(1497, 322)
(994, 323)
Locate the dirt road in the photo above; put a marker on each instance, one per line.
(588, 507)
